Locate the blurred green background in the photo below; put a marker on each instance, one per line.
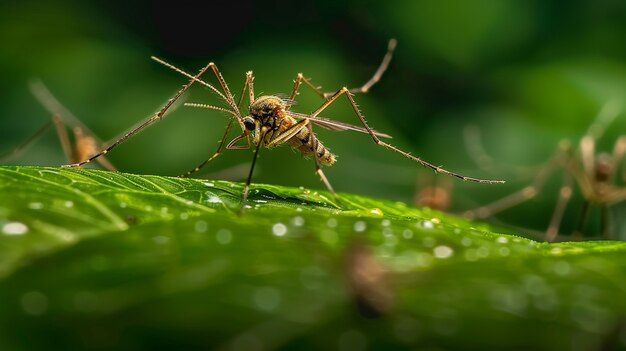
(527, 73)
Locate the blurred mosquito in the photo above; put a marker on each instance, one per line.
(597, 176)
(271, 122)
(433, 192)
(85, 142)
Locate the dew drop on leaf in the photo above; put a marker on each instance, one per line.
(279, 229)
(376, 211)
(35, 205)
(14, 228)
(443, 251)
(359, 226)
(224, 236)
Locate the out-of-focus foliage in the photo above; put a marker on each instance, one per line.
(527, 73)
(103, 260)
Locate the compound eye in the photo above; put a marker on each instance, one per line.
(248, 122)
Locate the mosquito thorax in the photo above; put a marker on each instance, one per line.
(266, 106)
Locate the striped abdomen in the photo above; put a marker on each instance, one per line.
(304, 143)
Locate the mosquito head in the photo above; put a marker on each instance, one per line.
(266, 106)
(604, 167)
(248, 122)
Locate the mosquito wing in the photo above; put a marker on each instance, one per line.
(335, 125)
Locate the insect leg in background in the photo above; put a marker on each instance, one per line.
(595, 174)
(156, 117)
(85, 141)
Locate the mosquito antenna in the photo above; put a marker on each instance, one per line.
(212, 107)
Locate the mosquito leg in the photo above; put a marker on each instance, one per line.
(391, 46)
(605, 221)
(582, 219)
(318, 166)
(215, 154)
(64, 139)
(619, 151)
(565, 194)
(363, 89)
(509, 201)
(346, 92)
(248, 84)
(26, 144)
(246, 189)
(146, 123)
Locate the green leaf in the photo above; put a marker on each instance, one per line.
(94, 259)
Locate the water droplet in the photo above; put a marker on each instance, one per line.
(161, 239)
(331, 222)
(504, 251)
(407, 233)
(457, 230)
(509, 299)
(391, 240)
(267, 298)
(14, 228)
(471, 255)
(35, 205)
(298, 221)
(387, 231)
(556, 251)
(376, 211)
(359, 226)
(561, 268)
(184, 215)
(209, 184)
(201, 226)
(298, 209)
(482, 251)
(34, 303)
(224, 236)
(466, 242)
(502, 240)
(443, 251)
(426, 224)
(352, 340)
(279, 229)
(148, 208)
(123, 205)
(189, 202)
(386, 223)
(164, 210)
(311, 277)
(68, 204)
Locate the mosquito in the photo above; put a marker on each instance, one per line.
(85, 142)
(271, 123)
(596, 174)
